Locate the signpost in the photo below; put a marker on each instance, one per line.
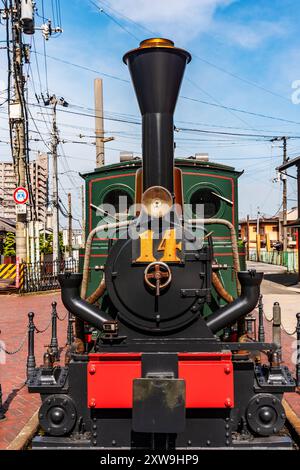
(20, 195)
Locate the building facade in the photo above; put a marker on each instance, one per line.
(271, 228)
(39, 176)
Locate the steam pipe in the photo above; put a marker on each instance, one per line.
(88, 248)
(235, 251)
(72, 301)
(250, 289)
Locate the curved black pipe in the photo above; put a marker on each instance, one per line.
(70, 284)
(250, 289)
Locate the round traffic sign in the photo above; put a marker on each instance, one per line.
(20, 195)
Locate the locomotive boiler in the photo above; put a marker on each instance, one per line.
(159, 360)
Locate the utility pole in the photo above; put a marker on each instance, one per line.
(248, 238)
(257, 221)
(283, 178)
(284, 197)
(70, 224)
(99, 125)
(54, 145)
(54, 101)
(257, 236)
(17, 119)
(82, 215)
(20, 18)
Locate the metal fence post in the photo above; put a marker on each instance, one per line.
(277, 327)
(261, 328)
(54, 342)
(298, 351)
(30, 358)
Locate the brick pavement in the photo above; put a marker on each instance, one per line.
(13, 323)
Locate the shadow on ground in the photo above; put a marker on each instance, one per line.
(285, 279)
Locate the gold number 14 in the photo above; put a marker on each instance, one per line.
(168, 246)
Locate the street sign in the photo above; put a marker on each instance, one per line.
(20, 195)
(21, 209)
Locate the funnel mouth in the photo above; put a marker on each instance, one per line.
(157, 43)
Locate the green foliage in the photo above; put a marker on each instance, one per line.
(9, 244)
(46, 243)
(61, 243)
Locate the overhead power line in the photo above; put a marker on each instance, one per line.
(83, 67)
(207, 62)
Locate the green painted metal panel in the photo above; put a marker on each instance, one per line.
(219, 178)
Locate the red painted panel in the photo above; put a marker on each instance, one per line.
(208, 376)
(209, 380)
(110, 382)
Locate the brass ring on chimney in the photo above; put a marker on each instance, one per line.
(163, 43)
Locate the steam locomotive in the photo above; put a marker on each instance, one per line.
(161, 358)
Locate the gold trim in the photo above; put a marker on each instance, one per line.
(157, 43)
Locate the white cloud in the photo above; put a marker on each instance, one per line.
(179, 18)
(251, 35)
(186, 19)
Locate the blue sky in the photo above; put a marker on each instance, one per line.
(246, 54)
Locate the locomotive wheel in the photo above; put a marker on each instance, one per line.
(57, 415)
(265, 414)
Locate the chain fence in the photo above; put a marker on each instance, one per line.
(44, 329)
(15, 351)
(270, 320)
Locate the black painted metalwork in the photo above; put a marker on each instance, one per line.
(250, 288)
(156, 73)
(261, 328)
(57, 415)
(31, 364)
(70, 284)
(276, 327)
(43, 275)
(70, 332)
(54, 342)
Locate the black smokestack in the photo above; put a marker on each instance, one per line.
(156, 70)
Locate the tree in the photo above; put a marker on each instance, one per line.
(46, 243)
(9, 244)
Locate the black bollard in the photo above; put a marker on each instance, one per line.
(298, 351)
(261, 328)
(30, 358)
(54, 342)
(277, 328)
(70, 334)
(2, 410)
